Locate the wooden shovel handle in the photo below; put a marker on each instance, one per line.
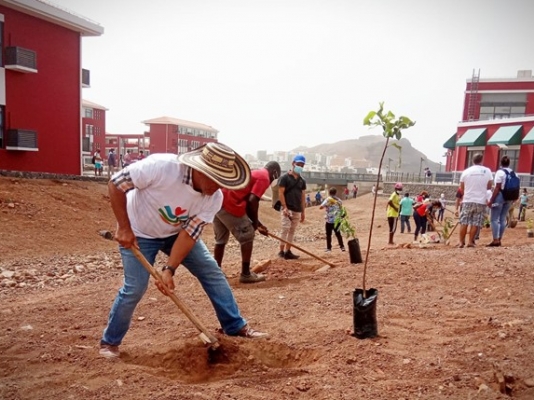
(301, 249)
(181, 305)
(450, 234)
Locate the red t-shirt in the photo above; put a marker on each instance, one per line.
(235, 201)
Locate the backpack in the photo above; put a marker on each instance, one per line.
(93, 160)
(511, 186)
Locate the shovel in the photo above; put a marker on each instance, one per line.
(301, 249)
(205, 336)
(450, 234)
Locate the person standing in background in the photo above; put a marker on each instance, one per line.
(98, 163)
(127, 159)
(333, 205)
(523, 203)
(475, 181)
(406, 211)
(441, 210)
(393, 211)
(112, 162)
(292, 195)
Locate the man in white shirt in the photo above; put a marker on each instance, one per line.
(162, 203)
(475, 181)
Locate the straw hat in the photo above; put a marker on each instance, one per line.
(219, 163)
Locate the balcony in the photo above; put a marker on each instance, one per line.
(21, 139)
(21, 60)
(86, 78)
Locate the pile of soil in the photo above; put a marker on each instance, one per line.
(453, 323)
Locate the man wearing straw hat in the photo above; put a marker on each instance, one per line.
(163, 203)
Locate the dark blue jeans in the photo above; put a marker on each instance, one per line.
(405, 220)
(420, 224)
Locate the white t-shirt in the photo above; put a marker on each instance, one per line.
(500, 177)
(161, 202)
(475, 179)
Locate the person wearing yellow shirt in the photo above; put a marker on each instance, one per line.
(393, 210)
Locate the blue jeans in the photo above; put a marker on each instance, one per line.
(499, 212)
(199, 262)
(405, 220)
(420, 224)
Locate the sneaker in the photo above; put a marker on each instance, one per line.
(281, 254)
(328, 251)
(109, 351)
(251, 278)
(250, 333)
(342, 249)
(288, 255)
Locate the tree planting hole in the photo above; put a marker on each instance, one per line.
(194, 362)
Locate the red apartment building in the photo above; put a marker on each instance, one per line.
(93, 129)
(41, 80)
(133, 142)
(498, 120)
(173, 135)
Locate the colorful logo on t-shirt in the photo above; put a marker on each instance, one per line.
(177, 218)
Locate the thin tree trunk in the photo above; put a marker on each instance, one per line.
(373, 216)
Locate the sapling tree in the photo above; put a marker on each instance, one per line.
(392, 128)
(342, 222)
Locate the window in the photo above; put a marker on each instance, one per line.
(88, 112)
(182, 146)
(2, 144)
(501, 110)
(513, 155)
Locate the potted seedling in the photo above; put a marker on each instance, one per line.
(365, 324)
(530, 227)
(448, 224)
(342, 222)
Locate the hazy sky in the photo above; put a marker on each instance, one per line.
(274, 75)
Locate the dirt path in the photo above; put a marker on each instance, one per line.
(451, 321)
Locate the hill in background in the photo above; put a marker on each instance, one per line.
(366, 151)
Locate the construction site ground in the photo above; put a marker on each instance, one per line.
(453, 323)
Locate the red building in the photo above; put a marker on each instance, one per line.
(41, 80)
(498, 120)
(172, 135)
(93, 129)
(121, 143)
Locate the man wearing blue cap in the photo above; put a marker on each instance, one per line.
(292, 194)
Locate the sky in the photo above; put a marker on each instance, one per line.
(275, 75)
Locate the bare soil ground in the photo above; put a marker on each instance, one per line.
(452, 322)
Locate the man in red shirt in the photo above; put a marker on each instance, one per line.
(239, 215)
